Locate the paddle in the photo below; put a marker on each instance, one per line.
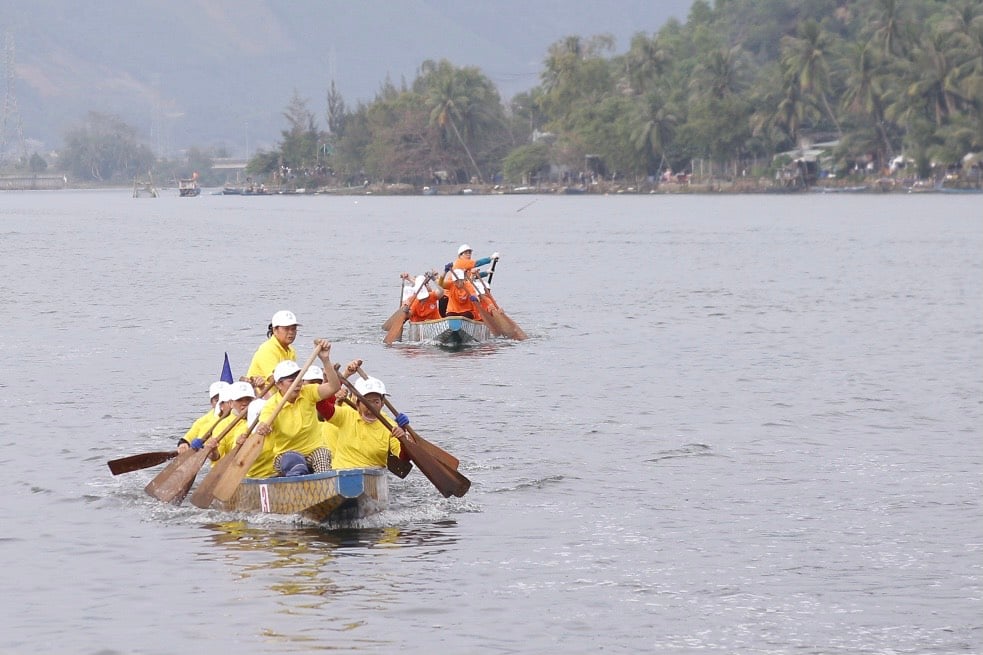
(511, 329)
(436, 451)
(141, 461)
(401, 315)
(447, 481)
(491, 273)
(245, 454)
(400, 310)
(486, 316)
(172, 484)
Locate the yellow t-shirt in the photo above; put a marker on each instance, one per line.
(201, 426)
(360, 444)
(296, 427)
(267, 356)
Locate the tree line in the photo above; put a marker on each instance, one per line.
(738, 82)
(735, 84)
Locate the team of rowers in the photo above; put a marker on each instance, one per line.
(458, 291)
(309, 427)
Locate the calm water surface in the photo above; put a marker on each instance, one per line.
(740, 425)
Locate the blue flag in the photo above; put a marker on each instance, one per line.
(227, 371)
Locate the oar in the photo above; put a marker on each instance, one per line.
(400, 310)
(447, 481)
(141, 461)
(511, 329)
(486, 317)
(445, 457)
(172, 484)
(251, 448)
(491, 273)
(400, 315)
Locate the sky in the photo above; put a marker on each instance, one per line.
(214, 73)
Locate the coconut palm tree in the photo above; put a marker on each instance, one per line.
(805, 60)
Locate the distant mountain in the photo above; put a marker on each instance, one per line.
(220, 72)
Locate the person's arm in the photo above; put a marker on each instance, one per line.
(331, 382)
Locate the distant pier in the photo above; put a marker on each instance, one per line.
(32, 182)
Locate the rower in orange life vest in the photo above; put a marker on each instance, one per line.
(425, 306)
(461, 294)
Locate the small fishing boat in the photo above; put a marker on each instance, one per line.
(331, 497)
(451, 331)
(188, 188)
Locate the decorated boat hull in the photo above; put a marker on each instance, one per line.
(330, 497)
(452, 331)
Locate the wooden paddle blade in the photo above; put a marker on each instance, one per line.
(515, 332)
(398, 467)
(393, 318)
(238, 466)
(395, 330)
(447, 481)
(141, 461)
(488, 320)
(205, 493)
(172, 484)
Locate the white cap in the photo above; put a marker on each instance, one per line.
(418, 283)
(284, 318)
(370, 385)
(254, 409)
(215, 388)
(240, 390)
(285, 369)
(314, 373)
(225, 395)
(463, 248)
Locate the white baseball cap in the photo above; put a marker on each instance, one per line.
(225, 395)
(215, 388)
(284, 318)
(314, 373)
(285, 369)
(418, 283)
(240, 390)
(464, 247)
(370, 385)
(254, 409)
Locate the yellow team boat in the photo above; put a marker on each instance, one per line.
(331, 497)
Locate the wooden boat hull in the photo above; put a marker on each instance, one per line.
(330, 497)
(452, 331)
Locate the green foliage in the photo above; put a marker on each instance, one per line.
(105, 149)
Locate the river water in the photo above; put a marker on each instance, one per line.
(741, 424)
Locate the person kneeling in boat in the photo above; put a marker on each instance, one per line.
(206, 421)
(363, 441)
(425, 306)
(296, 428)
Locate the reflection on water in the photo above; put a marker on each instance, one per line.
(300, 559)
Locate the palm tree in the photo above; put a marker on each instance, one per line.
(804, 58)
(865, 91)
(655, 125)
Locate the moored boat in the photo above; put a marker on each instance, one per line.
(188, 188)
(451, 331)
(331, 497)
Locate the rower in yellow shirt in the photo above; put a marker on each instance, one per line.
(363, 441)
(298, 440)
(281, 333)
(204, 423)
